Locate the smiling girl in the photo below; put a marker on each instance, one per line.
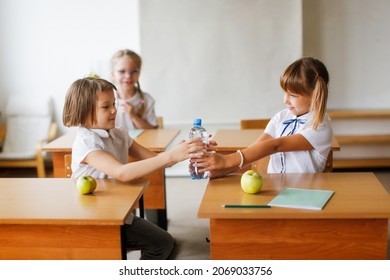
(298, 138)
(135, 107)
(101, 151)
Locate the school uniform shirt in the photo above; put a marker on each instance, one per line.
(285, 123)
(122, 117)
(115, 142)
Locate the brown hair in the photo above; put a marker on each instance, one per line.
(80, 100)
(308, 76)
(138, 61)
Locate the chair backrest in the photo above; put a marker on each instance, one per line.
(254, 123)
(160, 121)
(28, 121)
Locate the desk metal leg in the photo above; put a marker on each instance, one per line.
(141, 207)
(123, 243)
(157, 217)
(162, 218)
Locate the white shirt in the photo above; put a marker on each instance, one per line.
(116, 142)
(123, 119)
(285, 123)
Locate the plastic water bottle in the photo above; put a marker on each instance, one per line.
(198, 131)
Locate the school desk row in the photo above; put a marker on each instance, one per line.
(46, 218)
(61, 224)
(158, 140)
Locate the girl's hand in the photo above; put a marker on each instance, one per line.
(211, 146)
(188, 149)
(216, 164)
(210, 161)
(128, 108)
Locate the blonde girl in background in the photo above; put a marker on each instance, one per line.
(135, 107)
(298, 138)
(101, 150)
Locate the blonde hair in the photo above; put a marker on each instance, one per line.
(308, 76)
(129, 53)
(80, 100)
(136, 58)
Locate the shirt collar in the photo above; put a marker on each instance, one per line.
(103, 133)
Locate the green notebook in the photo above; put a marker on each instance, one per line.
(302, 198)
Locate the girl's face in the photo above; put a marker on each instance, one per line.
(298, 104)
(125, 73)
(105, 111)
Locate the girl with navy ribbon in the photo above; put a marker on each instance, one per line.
(298, 139)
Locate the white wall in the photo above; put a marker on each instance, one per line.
(46, 45)
(230, 52)
(352, 37)
(218, 60)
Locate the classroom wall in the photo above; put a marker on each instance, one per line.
(46, 45)
(352, 37)
(219, 60)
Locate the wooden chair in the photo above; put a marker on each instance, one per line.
(254, 123)
(28, 126)
(160, 121)
(262, 164)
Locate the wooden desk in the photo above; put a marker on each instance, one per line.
(231, 140)
(156, 140)
(352, 225)
(46, 218)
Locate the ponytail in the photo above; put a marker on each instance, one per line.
(319, 101)
(141, 110)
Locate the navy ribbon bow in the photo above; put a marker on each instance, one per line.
(295, 122)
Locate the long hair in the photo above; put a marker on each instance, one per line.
(308, 76)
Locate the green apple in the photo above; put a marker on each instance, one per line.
(86, 184)
(93, 75)
(251, 182)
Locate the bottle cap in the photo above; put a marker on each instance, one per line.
(198, 122)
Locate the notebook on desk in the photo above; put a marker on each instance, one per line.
(134, 133)
(302, 198)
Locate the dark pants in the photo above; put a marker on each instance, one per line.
(154, 242)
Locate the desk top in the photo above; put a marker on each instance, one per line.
(156, 140)
(357, 195)
(233, 139)
(57, 201)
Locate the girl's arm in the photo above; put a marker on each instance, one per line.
(133, 170)
(138, 121)
(265, 145)
(139, 152)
